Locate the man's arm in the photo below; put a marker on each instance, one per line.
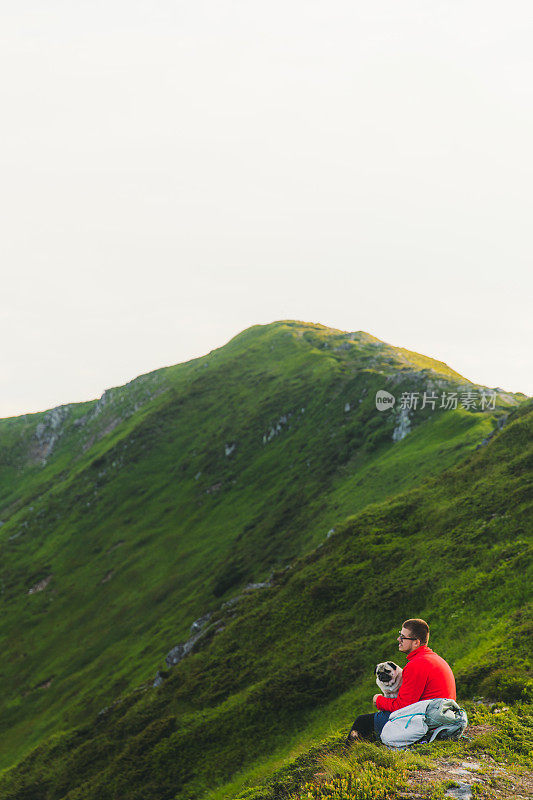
(411, 690)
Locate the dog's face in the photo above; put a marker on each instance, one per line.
(388, 677)
(387, 671)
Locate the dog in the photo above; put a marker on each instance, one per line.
(388, 678)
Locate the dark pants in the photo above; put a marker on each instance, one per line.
(369, 726)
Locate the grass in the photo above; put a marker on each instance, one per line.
(368, 770)
(438, 526)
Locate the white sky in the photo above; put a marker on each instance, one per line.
(172, 173)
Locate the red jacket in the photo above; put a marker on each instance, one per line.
(425, 677)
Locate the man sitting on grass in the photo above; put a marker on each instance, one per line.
(425, 677)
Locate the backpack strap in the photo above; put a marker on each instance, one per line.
(436, 732)
(409, 717)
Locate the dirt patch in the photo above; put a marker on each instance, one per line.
(45, 684)
(496, 780)
(41, 585)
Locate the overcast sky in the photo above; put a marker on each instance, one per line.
(174, 172)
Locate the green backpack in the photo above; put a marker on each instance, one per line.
(445, 719)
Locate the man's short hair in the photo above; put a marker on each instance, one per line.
(419, 628)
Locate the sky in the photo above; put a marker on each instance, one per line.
(175, 172)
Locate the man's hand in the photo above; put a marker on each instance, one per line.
(375, 698)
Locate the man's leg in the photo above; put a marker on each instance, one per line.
(363, 728)
(379, 721)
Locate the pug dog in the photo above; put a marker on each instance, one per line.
(388, 678)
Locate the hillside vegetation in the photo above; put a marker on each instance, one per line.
(260, 486)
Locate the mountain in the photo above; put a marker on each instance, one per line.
(258, 495)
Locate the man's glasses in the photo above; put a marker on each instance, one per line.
(402, 637)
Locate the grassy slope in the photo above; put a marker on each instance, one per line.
(131, 504)
(294, 661)
(121, 499)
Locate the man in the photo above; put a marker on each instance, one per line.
(425, 677)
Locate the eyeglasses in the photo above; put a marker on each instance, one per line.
(402, 637)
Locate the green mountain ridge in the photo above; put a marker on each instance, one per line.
(164, 499)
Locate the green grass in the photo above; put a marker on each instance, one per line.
(329, 769)
(439, 526)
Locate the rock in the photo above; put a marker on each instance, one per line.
(501, 422)
(461, 792)
(41, 585)
(403, 425)
(277, 427)
(100, 404)
(199, 623)
(175, 655)
(231, 602)
(253, 586)
(158, 680)
(346, 408)
(48, 432)
(181, 650)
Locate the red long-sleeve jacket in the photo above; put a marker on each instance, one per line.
(425, 677)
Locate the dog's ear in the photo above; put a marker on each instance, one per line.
(393, 665)
(376, 669)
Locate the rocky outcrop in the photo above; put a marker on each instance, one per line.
(180, 651)
(199, 629)
(199, 623)
(403, 425)
(499, 425)
(159, 678)
(251, 587)
(48, 432)
(278, 426)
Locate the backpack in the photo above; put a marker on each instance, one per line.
(425, 720)
(445, 719)
(406, 725)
